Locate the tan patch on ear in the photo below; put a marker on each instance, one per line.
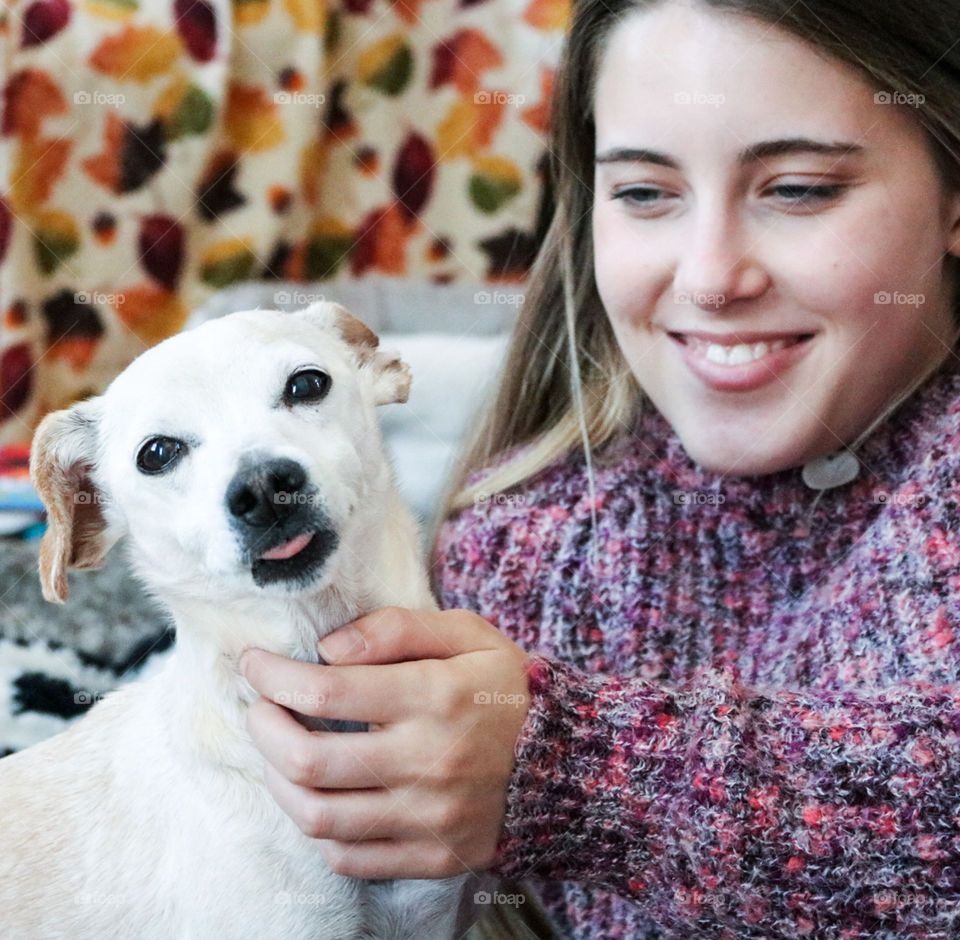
(75, 521)
(399, 371)
(355, 331)
(391, 375)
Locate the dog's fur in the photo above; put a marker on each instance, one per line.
(149, 818)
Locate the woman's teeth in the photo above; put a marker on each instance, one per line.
(745, 352)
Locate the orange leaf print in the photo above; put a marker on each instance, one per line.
(137, 53)
(462, 59)
(251, 119)
(105, 166)
(469, 126)
(381, 244)
(29, 98)
(548, 14)
(313, 169)
(77, 351)
(151, 313)
(408, 10)
(37, 166)
(538, 116)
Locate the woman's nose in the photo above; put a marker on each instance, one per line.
(718, 261)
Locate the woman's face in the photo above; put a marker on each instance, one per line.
(750, 192)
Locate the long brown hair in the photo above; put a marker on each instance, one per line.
(564, 380)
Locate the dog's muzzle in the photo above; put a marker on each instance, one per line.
(284, 533)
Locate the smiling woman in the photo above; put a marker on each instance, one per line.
(764, 221)
(714, 496)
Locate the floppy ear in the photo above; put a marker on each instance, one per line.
(391, 375)
(62, 454)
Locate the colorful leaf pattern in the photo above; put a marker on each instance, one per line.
(191, 144)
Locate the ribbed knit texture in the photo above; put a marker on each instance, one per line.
(745, 717)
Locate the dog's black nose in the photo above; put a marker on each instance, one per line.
(266, 493)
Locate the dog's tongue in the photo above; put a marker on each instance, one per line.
(288, 549)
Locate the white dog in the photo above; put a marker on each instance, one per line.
(243, 463)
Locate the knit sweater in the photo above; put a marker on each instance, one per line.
(744, 713)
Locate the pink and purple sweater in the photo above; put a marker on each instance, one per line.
(745, 716)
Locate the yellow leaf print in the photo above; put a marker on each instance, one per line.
(386, 65)
(137, 53)
(247, 12)
(468, 127)
(308, 16)
(251, 119)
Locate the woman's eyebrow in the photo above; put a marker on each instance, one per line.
(753, 154)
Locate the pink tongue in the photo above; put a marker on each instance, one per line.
(288, 549)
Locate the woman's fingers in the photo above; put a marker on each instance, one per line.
(327, 759)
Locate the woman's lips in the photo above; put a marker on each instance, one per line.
(740, 362)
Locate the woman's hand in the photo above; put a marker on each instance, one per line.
(422, 794)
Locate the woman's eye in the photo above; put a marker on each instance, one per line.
(159, 453)
(307, 385)
(639, 195)
(800, 193)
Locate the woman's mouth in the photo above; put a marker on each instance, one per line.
(740, 361)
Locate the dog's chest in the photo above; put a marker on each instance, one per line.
(240, 868)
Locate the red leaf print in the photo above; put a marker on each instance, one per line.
(413, 174)
(161, 249)
(197, 25)
(43, 19)
(5, 228)
(15, 365)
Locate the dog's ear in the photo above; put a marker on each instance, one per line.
(62, 453)
(391, 375)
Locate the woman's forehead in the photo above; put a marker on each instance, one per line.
(683, 78)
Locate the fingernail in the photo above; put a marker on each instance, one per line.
(340, 644)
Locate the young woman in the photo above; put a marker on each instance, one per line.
(722, 697)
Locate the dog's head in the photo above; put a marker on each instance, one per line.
(234, 456)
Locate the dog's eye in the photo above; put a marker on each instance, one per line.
(308, 385)
(158, 453)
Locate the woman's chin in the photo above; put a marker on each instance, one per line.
(740, 460)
